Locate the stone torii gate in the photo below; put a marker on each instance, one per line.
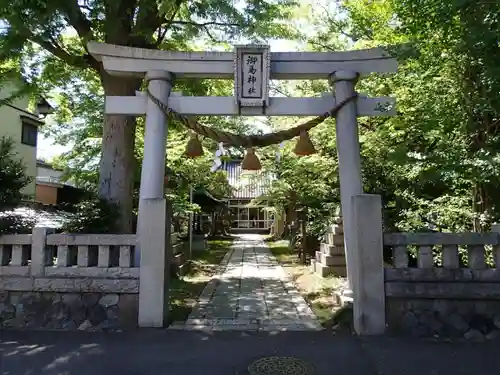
(251, 67)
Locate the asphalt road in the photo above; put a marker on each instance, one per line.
(162, 352)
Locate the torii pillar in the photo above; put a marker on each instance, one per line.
(348, 150)
(153, 220)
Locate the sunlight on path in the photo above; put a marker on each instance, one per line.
(250, 292)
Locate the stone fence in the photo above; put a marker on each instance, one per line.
(68, 263)
(450, 288)
(454, 289)
(65, 281)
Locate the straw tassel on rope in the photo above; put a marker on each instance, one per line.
(194, 148)
(251, 162)
(304, 146)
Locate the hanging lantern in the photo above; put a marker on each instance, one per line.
(304, 145)
(251, 161)
(194, 147)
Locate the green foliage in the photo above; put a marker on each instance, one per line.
(16, 224)
(92, 216)
(46, 43)
(436, 163)
(13, 176)
(310, 182)
(13, 179)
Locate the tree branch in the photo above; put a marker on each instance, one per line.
(148, 20)
(321, 45)
(83, 27)
(278, 90)
(336, 26)
(78, 21)
(162, 34)
(55, 49)
(119, 23)
(204, 24)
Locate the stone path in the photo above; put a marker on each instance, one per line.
(250, 292)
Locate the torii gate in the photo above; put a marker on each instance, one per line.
(251, 99)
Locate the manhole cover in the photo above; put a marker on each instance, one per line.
(280, 366)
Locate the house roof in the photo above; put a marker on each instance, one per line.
(42, 106)
(246, 185)
(44, 164)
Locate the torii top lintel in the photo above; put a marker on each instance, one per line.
(123, 60)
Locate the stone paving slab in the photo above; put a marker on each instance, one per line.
(250, 292)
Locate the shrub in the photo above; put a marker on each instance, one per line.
(13, 179)
(92, 216)
(13, 223)
(13, 176)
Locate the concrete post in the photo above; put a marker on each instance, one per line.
(155, 265)
(190, 230)
(368, 275)
(495, 228)
(39, 255)
(155, 136)
(349, 158)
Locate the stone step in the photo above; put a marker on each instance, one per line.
(332, 250)
(178, 248)
(334, 239)
(336, 229)
(318, 256)
(338, 220)
(179, 259)
(324, 271)
(333, 260)
(342, 300)
(183, 269)
(313, 265)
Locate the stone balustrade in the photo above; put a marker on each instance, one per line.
(15, 253)
(68, 262)
(69, 281)
(453, 288)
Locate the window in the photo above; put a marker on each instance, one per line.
(29, 134)
(249, 217)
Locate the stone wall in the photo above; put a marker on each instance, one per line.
(68, 311)
(447, 294)
(471, 319)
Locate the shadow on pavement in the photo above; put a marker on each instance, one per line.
(162, 352)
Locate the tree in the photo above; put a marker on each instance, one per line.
(13, 179)
(48, 40)
(13, 176)
(467, 31)
(425, 162)
(435, 163)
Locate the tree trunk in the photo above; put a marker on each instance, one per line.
(303, 231)
(117, 167)
(290, 218)
(218, 227)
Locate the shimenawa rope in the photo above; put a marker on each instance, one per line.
(247, 141)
